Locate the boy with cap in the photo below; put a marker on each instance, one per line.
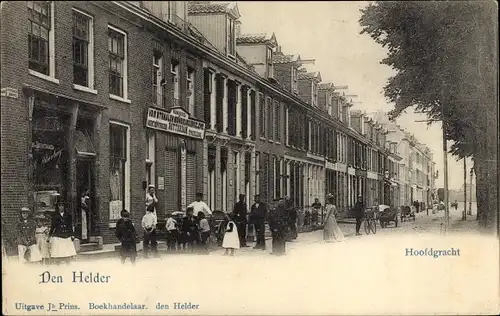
(26, 241)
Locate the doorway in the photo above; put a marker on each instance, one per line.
(85, 189)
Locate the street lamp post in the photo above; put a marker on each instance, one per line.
(470, 192)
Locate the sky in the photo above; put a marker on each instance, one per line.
(329, 33)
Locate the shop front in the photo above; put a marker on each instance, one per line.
(62, 164)
(181, 176)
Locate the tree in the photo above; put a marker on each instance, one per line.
(445, 56)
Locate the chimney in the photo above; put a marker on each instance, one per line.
(237, 27)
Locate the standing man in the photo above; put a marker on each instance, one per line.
(240, 218)
(258, 213)
(292, 219)
(200, 206)
(315, 212)
(278, 224)
(359, 213)
(151, 199)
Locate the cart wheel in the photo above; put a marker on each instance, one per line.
(367, 227)
(374, 227)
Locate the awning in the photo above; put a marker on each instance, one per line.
(84, 145)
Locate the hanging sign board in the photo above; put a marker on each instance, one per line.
(176, 121)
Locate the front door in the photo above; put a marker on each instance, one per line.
(86, 203)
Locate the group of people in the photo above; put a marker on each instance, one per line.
(45, 239)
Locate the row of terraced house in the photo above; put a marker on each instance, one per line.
(113, 96)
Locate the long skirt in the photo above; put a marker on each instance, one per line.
(62, 247)
(29, 253)
(332, 231)
(43, 245)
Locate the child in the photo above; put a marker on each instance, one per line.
(204, 232)
(26, 240)
(149, 222)
(190, 229)
(127, 235)
(42, 234)
(172, 233)
(231, 240)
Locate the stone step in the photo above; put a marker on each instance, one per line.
(91, 246)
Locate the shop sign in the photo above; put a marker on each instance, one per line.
(176, 121)
(183, 179)
(161, 183)
(10, 93)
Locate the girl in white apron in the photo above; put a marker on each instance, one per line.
(231, 240)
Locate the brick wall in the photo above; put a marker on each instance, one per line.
(283, 73)
(305, 90)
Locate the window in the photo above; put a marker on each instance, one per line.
(117, 48)
(269, 63)
(262, 116)
(270, 120)
(287, 134)
(40, 37)
(277, 121)
(119, 175)
(83, 50)
(231, 38)
(158, 82)
(174, 69)
(190, 90)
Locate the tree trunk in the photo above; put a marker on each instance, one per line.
(486, 198)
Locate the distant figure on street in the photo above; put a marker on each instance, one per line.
(292, 219)
(231, 239)
(190, 229)
(172, 233)
(127, 235)
(258, 215)
(200, 206)
(315, 212)
(240, 218)
(204, 232)
(151, 199)
(331, 231)
(359, 213)
(149, 222)
(278, 224)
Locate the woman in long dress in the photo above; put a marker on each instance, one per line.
(61, 235)
(331, 232)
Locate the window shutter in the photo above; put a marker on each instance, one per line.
(206, 97)
(244, 111)
(254, 115)
(218, 103)
(231, 109)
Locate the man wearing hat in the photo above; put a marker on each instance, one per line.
(258, 213)
(62, 234)
(359, 213)
(26, 241)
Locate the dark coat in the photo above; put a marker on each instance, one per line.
(26, 232)
(189, 225)
(125, 232)
(277, 219)
(359, 210)
(258, 214)
(61, 226)
(240, 212)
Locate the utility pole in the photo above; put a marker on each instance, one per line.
(464, 214)
(445, 165)
(470, 192)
